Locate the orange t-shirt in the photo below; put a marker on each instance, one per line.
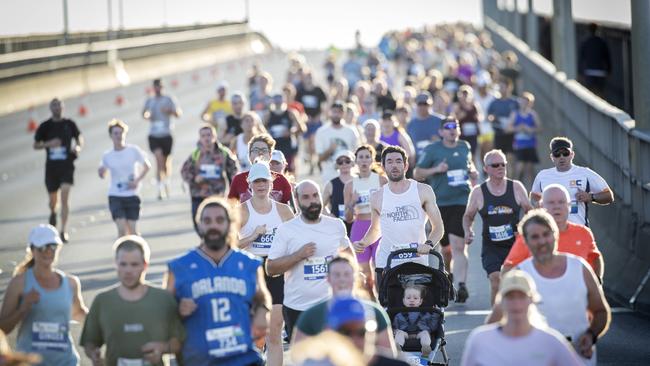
(576, 239)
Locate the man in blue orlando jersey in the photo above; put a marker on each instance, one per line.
(215, 285)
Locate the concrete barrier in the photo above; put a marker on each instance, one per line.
(606, 141)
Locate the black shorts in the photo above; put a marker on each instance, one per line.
(163, 143)
(452, 218)
(275, 285)
(58, 174)
(504, 141)
(492, 257)
(127, 208)
(290, 319)
(527, 155)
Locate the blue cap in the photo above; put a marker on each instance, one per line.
(344, 310)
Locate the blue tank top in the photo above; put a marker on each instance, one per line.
(46, 329)
(219, 330)
(524, 140)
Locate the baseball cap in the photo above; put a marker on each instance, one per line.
(222, 85)
(483, 78)
(277, 98)
(259, 171)
(518, 280)
(345, 310)
(561, 143)
(424, 97)
(341, 153)
(278, 156)
(338, 104)
(43, 235)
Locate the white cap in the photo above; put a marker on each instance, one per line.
(278, 156)
(343, 152)
(518, 280)
(222, 85)
(43, 235)
(259, 171)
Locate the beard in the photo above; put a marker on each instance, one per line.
(311, 212)
(214, 239)
(396, 178)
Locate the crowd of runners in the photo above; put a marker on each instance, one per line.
(401, 146)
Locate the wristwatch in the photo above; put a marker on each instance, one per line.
(594, 336)
(593, 197)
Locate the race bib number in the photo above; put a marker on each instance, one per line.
(457, 177)
(503, 122)
(315, 268)
(278, 131)
(574, 207)
(58, 153)
(132, 362)
(50, 336)
(469, 129)
(218, 116)
(264, 241)
(501, 233)
(210, 171)
(342, 212)
(310, 101)
(158, 127)
(226, 341)
(364, 197)
(403, 257)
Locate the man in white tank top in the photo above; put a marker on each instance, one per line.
(399, 211)
(567, 284)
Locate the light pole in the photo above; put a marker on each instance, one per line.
(65, 21)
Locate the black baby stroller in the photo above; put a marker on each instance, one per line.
(438, 292)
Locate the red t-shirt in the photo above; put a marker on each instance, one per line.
(280, 192)
(576, 239)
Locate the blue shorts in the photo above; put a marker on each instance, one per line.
(127, 208)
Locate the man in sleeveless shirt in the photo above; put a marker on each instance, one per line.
(574, 303)
(498, 200)
(215, 285)
(399, 211)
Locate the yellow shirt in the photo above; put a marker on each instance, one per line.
(219, 109)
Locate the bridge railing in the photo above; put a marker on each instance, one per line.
(606, 141)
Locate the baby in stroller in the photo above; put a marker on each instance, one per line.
(420, 324)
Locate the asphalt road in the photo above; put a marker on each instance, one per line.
(166, 224)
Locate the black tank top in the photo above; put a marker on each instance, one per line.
(500, 216)
(336, 202)
(279, 124)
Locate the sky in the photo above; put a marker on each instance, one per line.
(290, 24)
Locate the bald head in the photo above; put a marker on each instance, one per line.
(557, 202)
(309, 200)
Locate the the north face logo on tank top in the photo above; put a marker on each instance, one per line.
(403, 213)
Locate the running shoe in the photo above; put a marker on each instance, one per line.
(462, 294)
(64, 237)
(53, 219)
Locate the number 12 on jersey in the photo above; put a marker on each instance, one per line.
(220, 310)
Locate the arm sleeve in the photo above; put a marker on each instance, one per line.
(427, 159)
(91, 332)
(518, 253)
(279, 246)
(596, 182)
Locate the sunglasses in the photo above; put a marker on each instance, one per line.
(450, 126)
(51, 246)
(343, 161)
(498, 165)
(564, 153)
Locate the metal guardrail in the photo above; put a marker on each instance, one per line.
(31, 62)
(605, 136)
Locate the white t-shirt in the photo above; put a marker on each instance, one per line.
(487, 345)
(124, 165)
(346, 138)
(305, 284)
(574, 178)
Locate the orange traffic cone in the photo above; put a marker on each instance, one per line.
(83, 111)
(119, 100)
